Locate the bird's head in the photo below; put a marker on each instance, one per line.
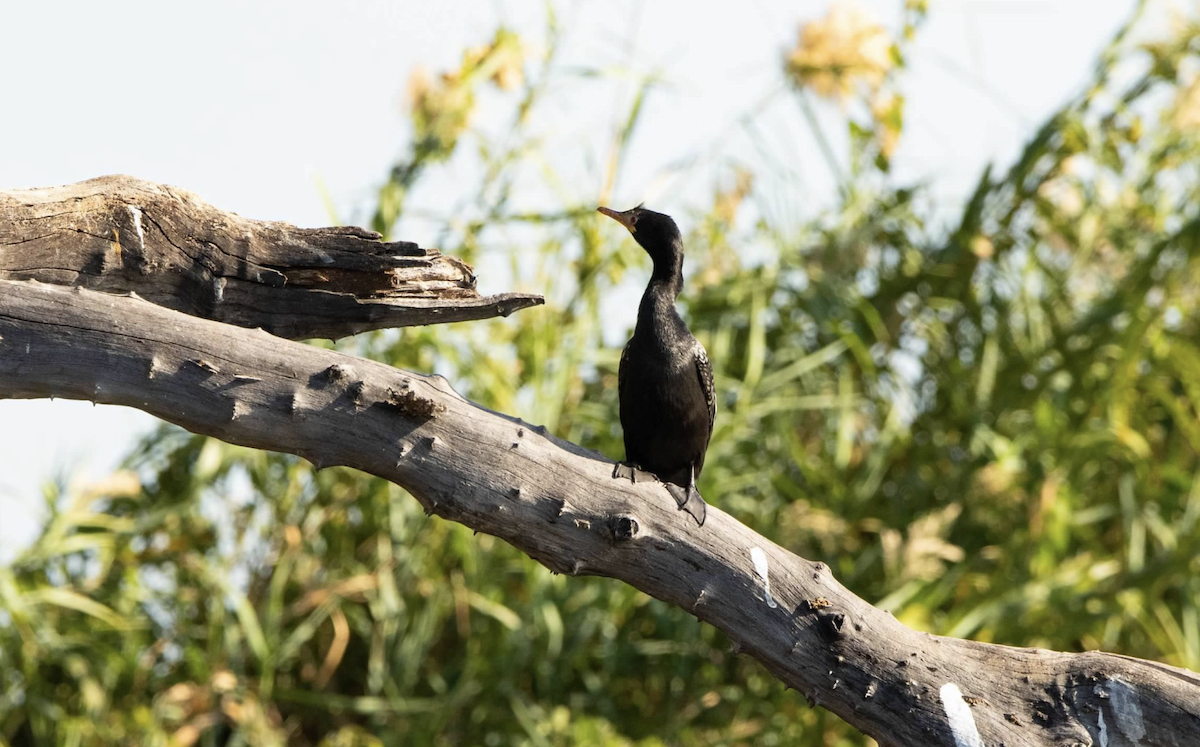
(656, 232)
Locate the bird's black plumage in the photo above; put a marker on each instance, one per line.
(665, 381)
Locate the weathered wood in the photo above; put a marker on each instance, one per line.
(558, 503)
(118, 234)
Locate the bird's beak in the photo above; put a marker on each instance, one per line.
(625, 218)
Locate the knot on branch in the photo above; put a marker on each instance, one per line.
(335, 373)
(625, 528)
(412, 404)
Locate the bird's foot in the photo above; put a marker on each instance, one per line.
(626, 470)
(688, 499)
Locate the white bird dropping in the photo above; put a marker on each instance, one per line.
(759, 559)
(958, 713)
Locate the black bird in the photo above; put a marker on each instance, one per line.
(665, 382)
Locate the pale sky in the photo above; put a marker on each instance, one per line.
(250, 104)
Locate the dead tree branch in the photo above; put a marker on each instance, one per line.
(121, 235)
(558, 503)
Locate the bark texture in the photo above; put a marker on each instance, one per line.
(558, 503)
(120, 235)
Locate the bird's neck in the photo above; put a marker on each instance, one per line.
(657, 315)
(667, 277)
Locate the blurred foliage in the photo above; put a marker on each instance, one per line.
(986, 424)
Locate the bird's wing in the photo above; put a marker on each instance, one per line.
(621, 368)
(704, 371)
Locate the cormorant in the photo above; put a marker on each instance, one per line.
(665, 381)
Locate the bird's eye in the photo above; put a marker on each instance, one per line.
(633, 219)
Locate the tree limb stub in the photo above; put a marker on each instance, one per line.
(557, 502)
(120, 235)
